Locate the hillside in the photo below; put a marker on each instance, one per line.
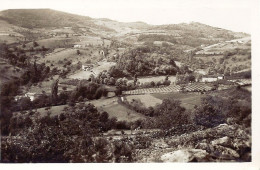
(44, 18)
(81, 89)
(47, 19)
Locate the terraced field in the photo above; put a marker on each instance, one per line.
(171, 88)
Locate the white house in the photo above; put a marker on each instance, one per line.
(87, 67)
(220, 77)
(209, 78)
(212, 78)
(77, 46)
(30, 95)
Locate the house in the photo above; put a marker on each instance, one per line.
(87, 67)
(30, 95)
(221, 77)
(212, 78)
(77, 46)
(209, 79)
(16, 98)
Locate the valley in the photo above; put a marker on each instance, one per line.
(80, 89)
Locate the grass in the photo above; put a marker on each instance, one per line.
(155, 79)
(188, 100)
(147, 99)
(52, 43)
(95, 71)
(122, 113)
(8, 72)
(109, 105)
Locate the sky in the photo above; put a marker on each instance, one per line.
(234, 15)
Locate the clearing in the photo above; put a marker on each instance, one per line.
(188, 100)
(149, 79)
(95, 71)
(110, 105)
(147, 99)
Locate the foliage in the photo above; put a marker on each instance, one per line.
(216, 110)
(68, 137)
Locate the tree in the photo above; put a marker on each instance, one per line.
(54, 91)
(170, 114)
(135, 79)
(172, 62)
(112, 81)
(35, 44)
(25, 103)
(209, 114)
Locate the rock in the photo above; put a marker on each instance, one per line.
(224, 153)
(218, 151)
(185, 155)
(204, 146)
(225, 141)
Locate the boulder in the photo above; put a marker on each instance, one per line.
(225, 141)
(218, 152)
(205, 146)
(224, 153)
(185, 155)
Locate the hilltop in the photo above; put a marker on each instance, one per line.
(48, 19)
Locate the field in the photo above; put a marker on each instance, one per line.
(167, 89)
(122, 113)
(225, 46)
(95, 41)
(95, 71)
(8, 72)
(171, 88)
(110, 105)
(147, 99)
(46, 86)
(249, 88)
(155, 79)
(69, 54)
(55, 42)
(188, 100)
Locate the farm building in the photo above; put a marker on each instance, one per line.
(77, 46)
(87, 67)
(221, 77)
(30, 95)
(209, 78)
(212, 78)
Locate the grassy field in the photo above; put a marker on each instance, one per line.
(59, 57)
(95, 71)
(110, 105)
(155, 79)
(188, 100)
(122, 113)
(147, 99)
(8, 72)
(54, 42)
(46, 86)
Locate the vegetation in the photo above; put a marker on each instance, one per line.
(60, 125)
